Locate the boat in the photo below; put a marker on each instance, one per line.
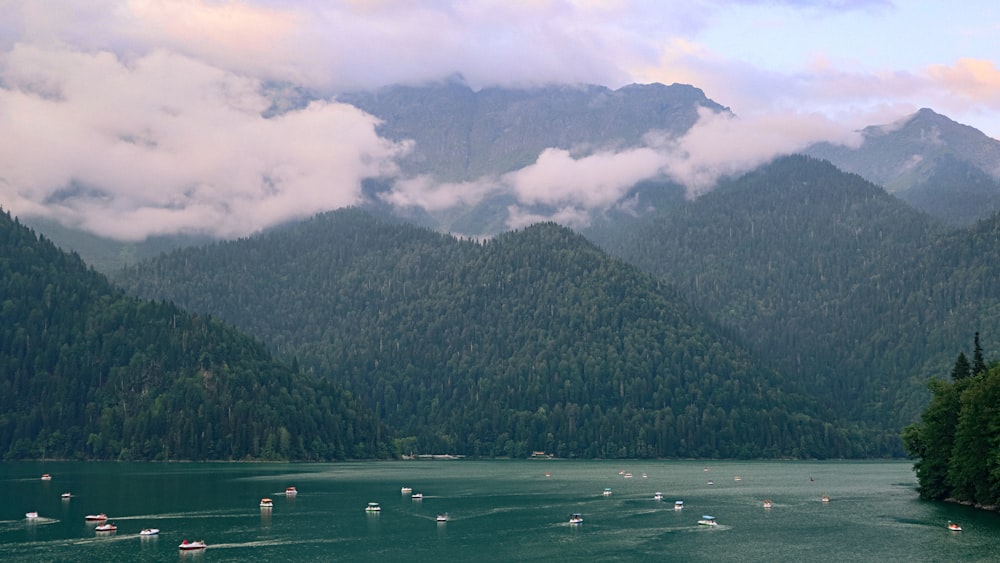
(108, 527)
(191, 545)
(442, 517)
(417, 496)
(373, 507)
(65, 496)
(825, 498)
(607, 491)
(96, 517)
(576, 519)
(954, 527)
(710, 482)
(291, 491)
(46, 477)
(644, 476)
(707, 520)
(657, 495)
(31, 515)
(266, 503)
(737, 478)
(149, 532)
(628, 475)
(678, 505)
(406, 490)
(767, 503)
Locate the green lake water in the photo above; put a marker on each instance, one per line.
(498, 511)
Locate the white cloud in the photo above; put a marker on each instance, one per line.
(166, 143)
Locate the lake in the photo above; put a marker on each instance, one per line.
(498, 511)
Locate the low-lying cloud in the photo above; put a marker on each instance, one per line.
(165, 144)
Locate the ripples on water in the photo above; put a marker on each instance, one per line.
(498, 511)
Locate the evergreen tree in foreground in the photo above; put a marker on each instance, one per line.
(957, 442)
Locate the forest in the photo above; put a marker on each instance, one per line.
(956, 443)
(87, 372)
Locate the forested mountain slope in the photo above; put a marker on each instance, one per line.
(87, 372)
(535, 340)
(831, 278)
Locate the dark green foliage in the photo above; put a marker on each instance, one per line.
(957, 442)
(830, 279)
(534, 340)
(88, 372)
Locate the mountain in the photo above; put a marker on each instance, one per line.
(831, 280)
(462, 134)
(535, 340)
(87, 372)
(949, 170)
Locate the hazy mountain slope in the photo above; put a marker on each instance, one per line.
(920, 152)
(88, 372)
(461, 134)
(533, 341)
(818, 269)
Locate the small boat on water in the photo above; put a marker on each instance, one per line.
(406, 490)
(96, 517)
(825, 498)
(31, 515)
(291, 491)
(191, 545)
(149, 532)
(46, 477)
(417, 496)
(710, 482)
(657, 495)
(678, 505)
(767, 503)
(266, 503)
(954, 527)
(628, 475)
(65, 496)
(737, 478)
(442, 517)
(576, 519)
(106, 528)
(607, 491)
(373, 507)
(707, 520)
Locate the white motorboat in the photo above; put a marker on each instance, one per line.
(678, 505)
(417, 496)
(576, 519)
(96, 517)
(657, 495)
(46, 477)
(954, 527)
(149, 532)
(373, 507)
(442, 517)
(191, 545)
(607, 491)
(406, 490)
(107, 527)
(290, 491)
(31, 515)
(767, 503)
(707, 520)
(266, 503)
(66, 496)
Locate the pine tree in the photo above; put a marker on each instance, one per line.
(978, 364)
(961, 369)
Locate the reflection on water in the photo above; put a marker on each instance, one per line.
(498, 511)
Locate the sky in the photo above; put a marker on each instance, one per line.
(134, 118)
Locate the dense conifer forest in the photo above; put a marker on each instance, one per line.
(534, 340)
(87, 372)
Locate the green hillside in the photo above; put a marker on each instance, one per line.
(535, 340)
(836, 282)
(87, 372)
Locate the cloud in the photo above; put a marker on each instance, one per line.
(976, 80)
(165, 143)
